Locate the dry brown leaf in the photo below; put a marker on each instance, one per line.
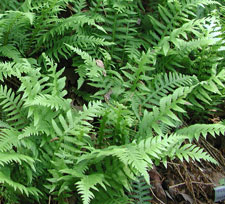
(101, 65)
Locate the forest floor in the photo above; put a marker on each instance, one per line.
(191, 182)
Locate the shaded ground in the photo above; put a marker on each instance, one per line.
(191, 182)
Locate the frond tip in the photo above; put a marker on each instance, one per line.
(88, 183)
(195, 131)
(194, 152)
(17, 186)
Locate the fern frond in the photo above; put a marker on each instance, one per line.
(74, 22)
(12, 105)
(57, 83)
(53, 102)
(8, 139)
(165, 112)
(17, 186)
(157, 147)
(164, 84)
(11, 52)
(90, 69)
(87, 183)
(4, 125)
(140, 191)
(196, 153)
(173, 16)
(12, 5)
(133, 50)
(121, 23)
(129, 155)
(195, 131)
(7, 158)
(70, 30)
(8, 69)
(179, 38)
(132, 157)
(77, 124)
(32, 130)
(205, 88)
(79, 5)
(14, 27)
(82, 41)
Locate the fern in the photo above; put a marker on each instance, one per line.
(14, 25)
(88, 182)
(79, 5)
(178, 33)
(6, 158)
(164, 84)
(134, 160)
(31, 121)
(50, 101)
(121, 23)
(8, 138)
(71, 30)
(164, 113)
(13, 5)
(12, 69)
(74, 22)
(12, 106)
(90, 70)
(196, 153)
(202, 92)
(141, 191)
(11, 52)
(194, 131)
(148, 74)
(16, 186)
(172, 16)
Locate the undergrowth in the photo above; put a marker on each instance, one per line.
(94, 93)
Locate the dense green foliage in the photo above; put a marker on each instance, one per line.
(140, 70)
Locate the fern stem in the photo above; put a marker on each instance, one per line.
(6, 36)
(98, 5)
(125, 43)
(114, 33)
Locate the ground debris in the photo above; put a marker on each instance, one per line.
(188, 183)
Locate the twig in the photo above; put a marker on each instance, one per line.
(193, 182)
(196, 182)
(174, 186)
(49, 200)
(174, 163)
(156, 196)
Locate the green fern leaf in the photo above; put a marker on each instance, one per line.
(8, 138)
(195, 131)
(7, 158)
(164, 113)
(140, 191)
(87, 183)
(165, 84)
(196, 153)
(17, 186)
(12, 105)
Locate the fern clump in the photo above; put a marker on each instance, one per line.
(137, 77)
